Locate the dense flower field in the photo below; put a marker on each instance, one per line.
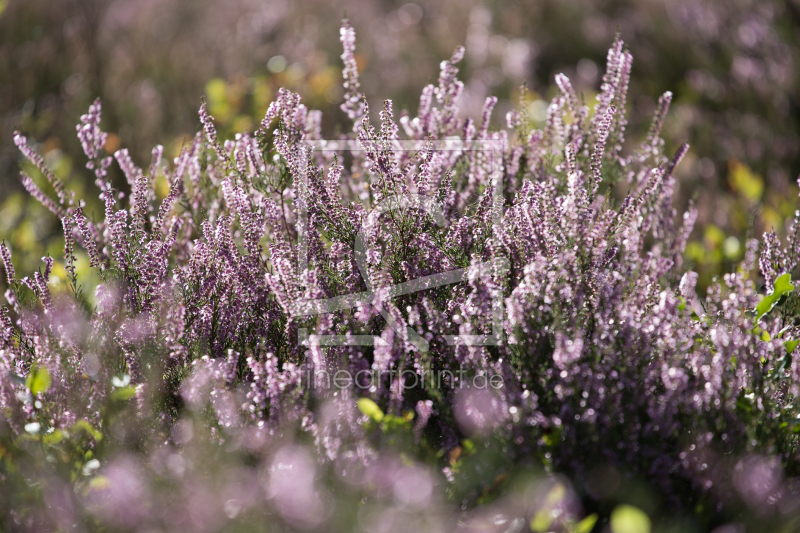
(431, 325)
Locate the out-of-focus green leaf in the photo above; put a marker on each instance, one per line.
(99, 483)
(744, 181)
(123, 393)
(38, 380)
(541, 521)
(87, 427)
(585, 525)
(629, 519)
(714, 236)
(393, 422)
(468, 446)
(555, 495)
(695, 251)
(370, 408)
(783, 285)
(215, 89)
(53, 438)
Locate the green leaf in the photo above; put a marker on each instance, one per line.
(541, 521)
(714, 235)
(99, 483)
(585, 525)
(783, 285)
(370, 408)
(745, 181)
(123, 393)
(468, 446)
(87, 427)
(629, 519)
(791, 345)
(38, 380)
(53, 438)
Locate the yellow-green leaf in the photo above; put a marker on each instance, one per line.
(714, 236)
(585, 525)
(783, 285)
(541, 521)
(53, 438)
(370, 408)
(38, 380)
(744, 181)
(99, 483)
(791, 345)
(216, 89)
(123, 393)
(468, 446)
(629, 519)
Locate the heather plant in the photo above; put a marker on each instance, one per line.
(274, 329)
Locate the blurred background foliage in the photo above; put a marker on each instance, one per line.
(732, 65)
